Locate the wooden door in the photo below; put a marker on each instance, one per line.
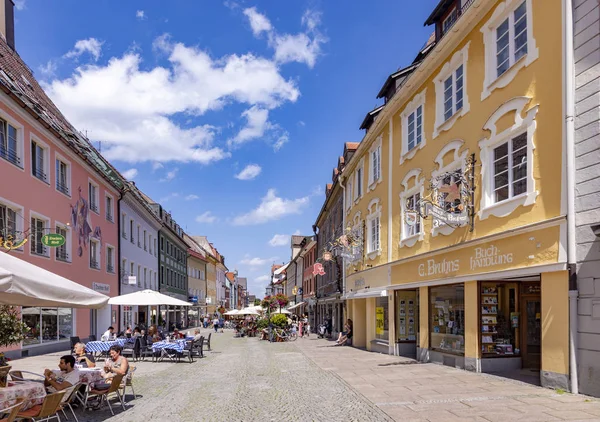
(531, 340)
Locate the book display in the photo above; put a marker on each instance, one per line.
(448, 318)
(497, 335)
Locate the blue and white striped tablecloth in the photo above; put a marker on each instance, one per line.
(178, 345)
(103, 346)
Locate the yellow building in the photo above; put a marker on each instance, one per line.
(457, 193)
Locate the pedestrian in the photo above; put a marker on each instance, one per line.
(216, 324)
(221, 323)
(306, 325)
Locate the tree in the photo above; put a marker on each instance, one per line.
(12, 330)
(256, 302)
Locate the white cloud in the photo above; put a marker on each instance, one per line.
(49, 69)
(271, 208)
(133, 109)
(140, 15)
(304, 47)
(257, 123)
(91, 46)
(20, 4)
(207, 218)
(156, 165)
(192, 197)
(170, 175)
(280, 240)
(281, 141)
(258, 262)
(130, 174)
(261, 279)
(297, 232)
(250, 172)
(301, 123)
(168, 197)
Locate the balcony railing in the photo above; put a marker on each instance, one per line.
(109, 216)
(10, 155)
(124, 234)
(454, 17)
(110, 268)
(62, 187)
(94, 264)
(94, 207)
(62, 255)
(39, 173)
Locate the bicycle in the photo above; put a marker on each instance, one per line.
(285, 335)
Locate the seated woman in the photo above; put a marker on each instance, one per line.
(346, 334)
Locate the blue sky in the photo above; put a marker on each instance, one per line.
(232, 114)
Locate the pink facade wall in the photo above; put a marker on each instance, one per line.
(20, 188)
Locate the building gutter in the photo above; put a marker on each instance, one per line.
(343, 186)
(569, 108)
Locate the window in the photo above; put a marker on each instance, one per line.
(508, 38)
(410, 203)
(93, 197)
(373, 229)
(8, 221)
(131, 230)
(382, 318)
(202, 275)
(507, 168)
(124, 270)
(63, 176)
(375, 163)
(150, 244)
(139, 243)
(499, 303)
(109, 208)
(132, 269)
(447, 318)
(413, 122)
(145, 278)
(155, 282)
(39, 161)
(9, 143)
(123, 225)
(349, 195)
(155, 247)
(94, 254)
(358, 180)
(38, 229)
(110, 259)
(162, 274)
(145, 241)
(46, 325)
(139, 278)
(63, 252)
(162, 244)
(450, 20)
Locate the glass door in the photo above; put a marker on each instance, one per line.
(532, 332)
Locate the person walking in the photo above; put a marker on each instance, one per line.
(216, 324)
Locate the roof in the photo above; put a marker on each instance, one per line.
(392, 79)
(439, 11)
(351, 145)
(202, 241)
(296, 239)
(431, 42)
(194, 246)
(370, 117)
(230, 276)
(17, 80)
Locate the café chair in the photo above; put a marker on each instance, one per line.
(10, 413)
(74, 341)
(46, 411)
(128, 382)
(18, 376)
(114, 388)
(70, 397)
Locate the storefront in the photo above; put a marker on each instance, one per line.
(407, 322)
(47, 325)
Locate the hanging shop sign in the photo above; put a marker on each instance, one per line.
(449, 201)
(295, 290)
(318, 269)
(53, 240)
(11, 242)
(101, 287)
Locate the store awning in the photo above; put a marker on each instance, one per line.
(26, 284)
(291, 308)
(365, 293)
(147, 298)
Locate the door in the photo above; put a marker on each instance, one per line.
(531, 342)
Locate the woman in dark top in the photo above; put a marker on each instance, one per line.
(346, 334)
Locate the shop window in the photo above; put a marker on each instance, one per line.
(381, 318)
(499, 319)
(46, 324)
(407, 316)
(447, 318)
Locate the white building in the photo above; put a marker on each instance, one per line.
(138, 253)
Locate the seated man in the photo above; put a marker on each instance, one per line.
(67, 377)
(197, 334)
(84, 359)
(108, 334)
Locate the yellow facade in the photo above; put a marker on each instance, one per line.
(522, 236)
(211, 284)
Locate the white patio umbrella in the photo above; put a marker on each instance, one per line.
(281, 311)
(232, 312)
(26, 284)
(147, 298)
(247, 311)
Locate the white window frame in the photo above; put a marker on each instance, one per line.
(145, 278)
(96, 196)
(131, 227)
(373, 251)
(112, 207)
(359, 178)
(46, 165)
(145, 240)
(460, 58)
(139, 275)
(417, 101)
(20, 141)
(527, 124)
(114, 257)
(417, 187)
(19, 221)
(503, 11)
(68, 242)
(458, 162)
(452, 14)
(349, 195)
(58, 157)
(139, 239)
(375, 170)
(47, 227)
(98, 255)
(124, 225)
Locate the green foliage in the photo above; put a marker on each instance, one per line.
(262, 323)
(279, 320)
(256, 302)
(12, 330)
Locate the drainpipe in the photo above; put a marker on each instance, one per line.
(569, 98)
(118, 258)
(343, 228)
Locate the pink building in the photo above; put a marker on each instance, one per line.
(54, 181)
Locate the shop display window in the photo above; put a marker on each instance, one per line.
(499, 319)
(381, 318)
(47, 324)
(447, 318)
(407, 315)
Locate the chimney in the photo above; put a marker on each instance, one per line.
(7, 22)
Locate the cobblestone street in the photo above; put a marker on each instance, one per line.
(244, 379)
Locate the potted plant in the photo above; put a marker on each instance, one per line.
(12, 331)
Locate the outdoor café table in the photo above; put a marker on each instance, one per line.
(90, 375)
(103, 346)
(165, 347)
(22, 389)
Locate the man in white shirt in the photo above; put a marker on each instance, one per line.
(108, 334)
(67, 377)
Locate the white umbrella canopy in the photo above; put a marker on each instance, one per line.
(146, 298)
(281, 311)
(25, 284)
(248, 311)
(232, 312)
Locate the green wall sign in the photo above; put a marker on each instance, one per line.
(53, 240)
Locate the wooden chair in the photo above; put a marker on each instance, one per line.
(199, 347)
(132, 349)
(207, 341)
(69, 397)
(10, 413)
(128, 382)
(46, 411)
(103, 394)
(145, 349)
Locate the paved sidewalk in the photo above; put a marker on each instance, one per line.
(409, 391)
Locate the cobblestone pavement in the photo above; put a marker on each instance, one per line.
(243, 379)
